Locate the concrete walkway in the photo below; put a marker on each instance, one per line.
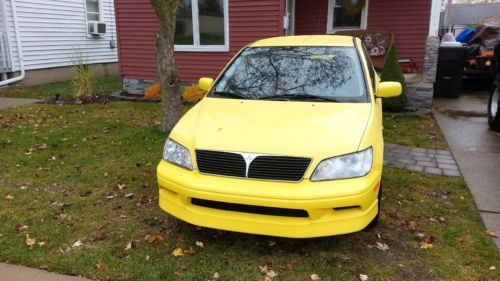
(12, 102)
(21, 273)
(476, 149)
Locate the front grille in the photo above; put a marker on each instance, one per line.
(221, 163)
(266, 167)
(252, 209)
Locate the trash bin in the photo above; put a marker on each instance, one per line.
(450, 70)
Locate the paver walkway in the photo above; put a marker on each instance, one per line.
(12, 102)
(431, 161)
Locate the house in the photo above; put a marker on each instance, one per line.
(210, 32)
(41, 39)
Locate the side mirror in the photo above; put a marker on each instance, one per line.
(389, 89)
(205, 83)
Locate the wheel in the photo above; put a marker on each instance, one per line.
(493, 109)
(375, 220)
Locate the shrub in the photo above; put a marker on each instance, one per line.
(152, 91)
(392, 72)
(192, 94)
(82, 81)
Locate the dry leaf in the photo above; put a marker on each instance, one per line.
(200, 244)
(271, 243)
(129, 195)
(315, 277)
(178, 252)
(30, 241)
(77, 244)
(9, 197)
(382, 246)
(492, 268)
(154, 239)
(99, 265)
(491, 233)
(129, 246)
(363, 277)
(191, 250)
(425, 245)
(41, 243)
(216, 276)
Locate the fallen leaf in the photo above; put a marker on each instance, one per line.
(77, 244)
(492, 268)
(200, 244)
(425, 245)
(191, 250)
(9, 197)
(216, 276)
(41, 243)
(99, 265)
(382, 246)
(129, 246)
(491, 233)
(30, 241)
(315, 277)
(154, 239)
(121, 186)
(413, 226)
(129, 195)
(289, 266)
(363, 277)
(271, 243)
(178, 252)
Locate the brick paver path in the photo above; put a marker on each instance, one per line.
(431, 161)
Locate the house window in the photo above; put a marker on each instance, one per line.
(202, 25)
(93, 10)
(340, 19)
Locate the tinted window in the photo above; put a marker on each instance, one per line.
(261, 72)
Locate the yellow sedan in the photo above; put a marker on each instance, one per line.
(287, 142)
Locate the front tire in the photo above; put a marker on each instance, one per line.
(493, 109)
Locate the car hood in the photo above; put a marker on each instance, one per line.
(309, 129)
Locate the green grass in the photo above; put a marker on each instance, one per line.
(64, 89)
(413, 130)
(81, 156)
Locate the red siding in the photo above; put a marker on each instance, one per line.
(409, 20)
(310, 16)
(137, 26)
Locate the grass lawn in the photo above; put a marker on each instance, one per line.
(413, 130)
(64, 89)
(80, 181)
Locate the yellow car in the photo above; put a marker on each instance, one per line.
(287, 142)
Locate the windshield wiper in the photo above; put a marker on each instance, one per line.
(299, 97)
(229, 95)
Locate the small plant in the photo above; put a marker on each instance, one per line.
(82, 82)
(192, 94)
(392, 72)
(152, 91)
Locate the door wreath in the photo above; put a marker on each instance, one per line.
(353, 7)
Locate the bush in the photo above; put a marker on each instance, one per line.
(152, 91)
(392, 72)
(192, 94)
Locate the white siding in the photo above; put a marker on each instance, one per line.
(54, 32)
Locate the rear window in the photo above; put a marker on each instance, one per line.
(261, 72)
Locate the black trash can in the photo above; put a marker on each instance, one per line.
(450, 69)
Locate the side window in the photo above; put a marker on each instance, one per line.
(371, 69)
(93, 11)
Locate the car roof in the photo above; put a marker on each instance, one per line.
(306, 40)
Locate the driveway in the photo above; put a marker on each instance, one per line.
(476, 149)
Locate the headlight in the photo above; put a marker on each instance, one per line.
(344, 167)
(177, 154)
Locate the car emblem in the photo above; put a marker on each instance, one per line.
(249, 157)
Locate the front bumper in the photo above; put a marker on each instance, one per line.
(333, 207)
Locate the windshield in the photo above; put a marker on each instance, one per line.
(294, 73)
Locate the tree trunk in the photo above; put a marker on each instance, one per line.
(168, 76)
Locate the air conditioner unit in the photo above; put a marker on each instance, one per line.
(97, 28)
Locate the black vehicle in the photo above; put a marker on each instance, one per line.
(494, 103)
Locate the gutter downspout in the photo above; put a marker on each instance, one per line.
(19, 48)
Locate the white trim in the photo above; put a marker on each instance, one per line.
(196, 47)
(435, 17)
(329, 21)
